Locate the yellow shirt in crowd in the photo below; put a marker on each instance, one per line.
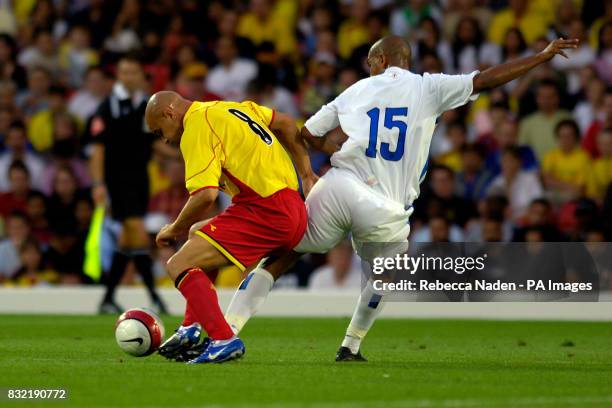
(600, 177)
(572, 167)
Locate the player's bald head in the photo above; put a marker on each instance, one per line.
(389, 51)
(164, 115)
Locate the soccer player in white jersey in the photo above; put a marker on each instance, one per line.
(389, 119)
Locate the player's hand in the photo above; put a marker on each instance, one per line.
(166, 236)
(99, 194)
(557, 47)
(308, 183)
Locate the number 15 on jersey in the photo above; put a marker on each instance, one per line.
(392, 119)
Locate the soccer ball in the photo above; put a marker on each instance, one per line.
(139, 332)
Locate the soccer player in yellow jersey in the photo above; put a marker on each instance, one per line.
(245, 150)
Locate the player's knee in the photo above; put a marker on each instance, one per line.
(173, 266)
(194, 228)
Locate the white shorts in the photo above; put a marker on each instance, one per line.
(339, 204)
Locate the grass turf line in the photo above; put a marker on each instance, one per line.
(289, 363)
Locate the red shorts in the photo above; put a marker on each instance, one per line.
(248, 231)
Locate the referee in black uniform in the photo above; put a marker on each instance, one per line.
(121, 151)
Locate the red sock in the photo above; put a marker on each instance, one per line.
(202, 300)
(190, 317)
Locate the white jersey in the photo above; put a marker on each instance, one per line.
(390, 119)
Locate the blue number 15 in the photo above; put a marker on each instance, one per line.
(390, 123)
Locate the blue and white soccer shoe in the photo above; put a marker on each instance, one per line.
(220, 351)
(185, 338)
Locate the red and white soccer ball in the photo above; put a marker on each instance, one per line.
(139, 332)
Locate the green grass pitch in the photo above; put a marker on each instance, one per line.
(289, 363)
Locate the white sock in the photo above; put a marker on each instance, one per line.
(368, 307)
(249, 297)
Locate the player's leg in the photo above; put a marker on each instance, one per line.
(372, 236)
(254, 289)
(119, 262)
(186, 268)
(189, 318)
(139, 244)
(327, 225)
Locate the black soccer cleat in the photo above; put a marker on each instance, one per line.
(193, 352)
(109, 307)
(344, 354)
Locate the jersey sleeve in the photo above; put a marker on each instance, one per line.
(324, 120)
(263, 112)
(202, 154)
(452, 91)
(98, 123)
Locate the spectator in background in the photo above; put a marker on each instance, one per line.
(42, 123)
(589, 142)
(16, 150)
(262, 23)
(170, 201)
(600, 175)
(228, 27)
(36, 211)
(521, 14)
(321, 85)
(64, 153)
(458, 9)
(538, 129)
(518, 186)
(19, 188)
(42, 54)
(539, 215)
(406, 17)
(473, 178)
(353, 32)
(470, 49)
(429, 41)
(603, 63)
(190, 82)
(591, 109)
(442, 200)
(456, 134)
(84, 102)
(578, 58)
(340, 272)
(264, 91)
(566, 167)
(35, 97)
(33, 271)
(230, 77)
(124, 34)
(505, 135)
(566, 13)
(62, 203)
(17, 231)
(493, 213)
(76, 55)
(10, 69)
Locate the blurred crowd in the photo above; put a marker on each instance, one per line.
(530, 161)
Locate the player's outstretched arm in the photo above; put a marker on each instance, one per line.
(284, 128)
(506, 72)
(191, 213)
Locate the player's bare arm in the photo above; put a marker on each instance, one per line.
(96, 168)
(506, 72)
(329, 144)
(283, 126)
(192, 212)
